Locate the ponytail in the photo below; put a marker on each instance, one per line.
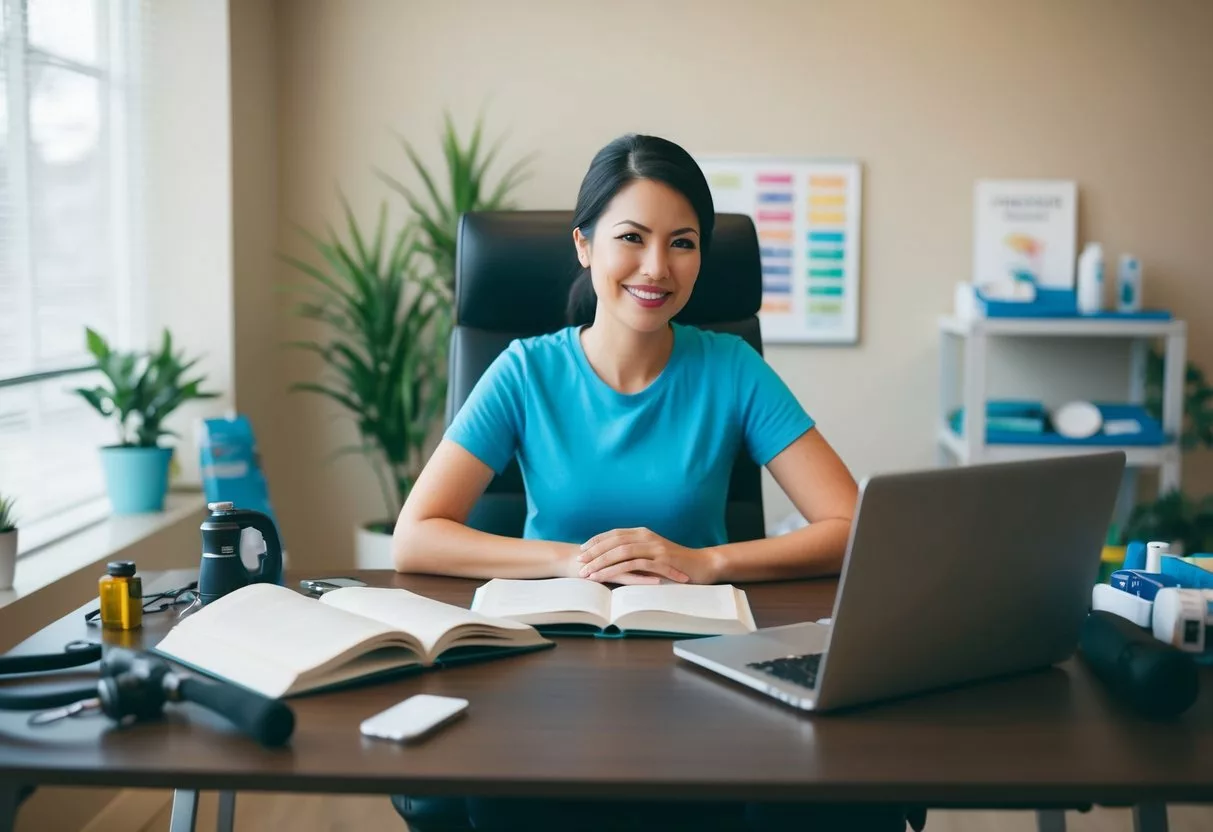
(583, 300)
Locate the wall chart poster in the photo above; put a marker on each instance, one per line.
(807, 214)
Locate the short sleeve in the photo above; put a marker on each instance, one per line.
(489, 425)
(771, 417)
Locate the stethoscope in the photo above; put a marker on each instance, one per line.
(133, 686)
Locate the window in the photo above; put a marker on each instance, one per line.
(66, 195)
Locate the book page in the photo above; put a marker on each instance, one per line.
(269, 624)
(195, 650)
(694, 601)
(546, 601)
(424, 618)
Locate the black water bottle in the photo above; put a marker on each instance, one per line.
(1155, 678)
(222, 570)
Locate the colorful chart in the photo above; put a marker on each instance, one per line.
(807, 215)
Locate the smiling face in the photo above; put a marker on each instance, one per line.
(643, 255)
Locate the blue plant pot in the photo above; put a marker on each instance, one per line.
(136, 479)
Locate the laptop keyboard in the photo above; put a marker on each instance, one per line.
(799, 670)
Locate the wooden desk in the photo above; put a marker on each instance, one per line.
(626, 719)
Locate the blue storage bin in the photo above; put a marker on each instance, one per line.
(1010, 422)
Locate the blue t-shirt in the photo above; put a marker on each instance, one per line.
(594, 459)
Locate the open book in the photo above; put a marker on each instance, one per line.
(578, 606)
(279, 643)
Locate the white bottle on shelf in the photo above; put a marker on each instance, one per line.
(1090, 279)
(1128, 284)
(1155, 549)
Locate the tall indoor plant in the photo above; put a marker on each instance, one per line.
(467, 189)
(387, 309)
(8, 542)
(144, 388)
(386, 322)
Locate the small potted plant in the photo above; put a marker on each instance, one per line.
(8, 542)
(144, 388)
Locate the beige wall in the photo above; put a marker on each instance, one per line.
(929, 95)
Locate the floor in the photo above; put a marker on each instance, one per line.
(332, 813)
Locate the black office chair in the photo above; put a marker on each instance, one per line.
(513, 270)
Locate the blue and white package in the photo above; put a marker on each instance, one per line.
(1141, 583)
(231, 468)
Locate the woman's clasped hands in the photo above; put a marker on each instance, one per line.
(641, 556)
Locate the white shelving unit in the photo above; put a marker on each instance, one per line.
(964, 349)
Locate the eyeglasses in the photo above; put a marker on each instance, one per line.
(166, 600)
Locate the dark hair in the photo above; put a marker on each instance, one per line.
(623, 161)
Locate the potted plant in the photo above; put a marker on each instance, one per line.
(8, 542)
(144, 388)
(388, 324)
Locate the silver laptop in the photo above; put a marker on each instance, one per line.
(951, 575)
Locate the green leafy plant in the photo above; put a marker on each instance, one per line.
(8, 518)
(467, 189)
(1174, 517)
(1197, 401)
(388, 325)
(144, 388)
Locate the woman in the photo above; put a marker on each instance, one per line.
(626, 426)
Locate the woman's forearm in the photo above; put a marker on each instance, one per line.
(813, 551)
(444, 547)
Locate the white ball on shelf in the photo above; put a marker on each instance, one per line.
(1077, 420)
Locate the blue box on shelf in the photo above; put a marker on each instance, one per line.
(1007, 416)
(1056, 303)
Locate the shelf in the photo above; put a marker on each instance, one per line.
(1136, 456)
(1063, 327)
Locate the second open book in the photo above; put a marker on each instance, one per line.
(580, 606)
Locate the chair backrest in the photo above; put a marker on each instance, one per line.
(513, 270)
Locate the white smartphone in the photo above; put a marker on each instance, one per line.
(413, 718)
(319, 586)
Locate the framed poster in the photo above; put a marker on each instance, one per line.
(807, 214)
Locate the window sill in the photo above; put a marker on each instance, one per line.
(92, 547)
(61, 526)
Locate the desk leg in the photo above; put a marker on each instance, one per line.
(1050, 820)
(1150, 817)
(227, 812)
(10, 796)
(185, 810)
